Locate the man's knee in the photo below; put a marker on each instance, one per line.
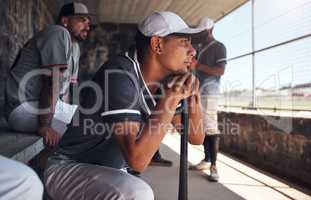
(127, 188)
(31, 183)
(140, 191)
(146, 193)
(22, 180)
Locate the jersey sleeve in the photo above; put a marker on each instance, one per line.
(54, 47)
(121, 93)
(221, 54)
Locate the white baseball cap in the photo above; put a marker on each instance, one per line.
(206, 23)
(164, 23)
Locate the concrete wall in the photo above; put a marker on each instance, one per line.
(281, 145)
(105, 40)
(19, 20)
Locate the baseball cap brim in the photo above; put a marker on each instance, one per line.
(191, 31)
(194, 33)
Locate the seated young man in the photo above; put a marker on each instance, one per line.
(39, 81)
(125, 118)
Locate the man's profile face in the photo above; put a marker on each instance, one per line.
(79, 26)
(177, 53)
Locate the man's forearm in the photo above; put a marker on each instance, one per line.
(152, 134)
(158, 123)
(48, 98)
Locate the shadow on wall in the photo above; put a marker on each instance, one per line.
(19, 20)
(105, 40)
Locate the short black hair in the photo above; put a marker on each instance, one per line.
(142, 45)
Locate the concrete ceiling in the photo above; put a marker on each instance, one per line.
(133, 11)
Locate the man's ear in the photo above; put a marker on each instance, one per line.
(64, 21)
(156, 44)
(210, 31)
